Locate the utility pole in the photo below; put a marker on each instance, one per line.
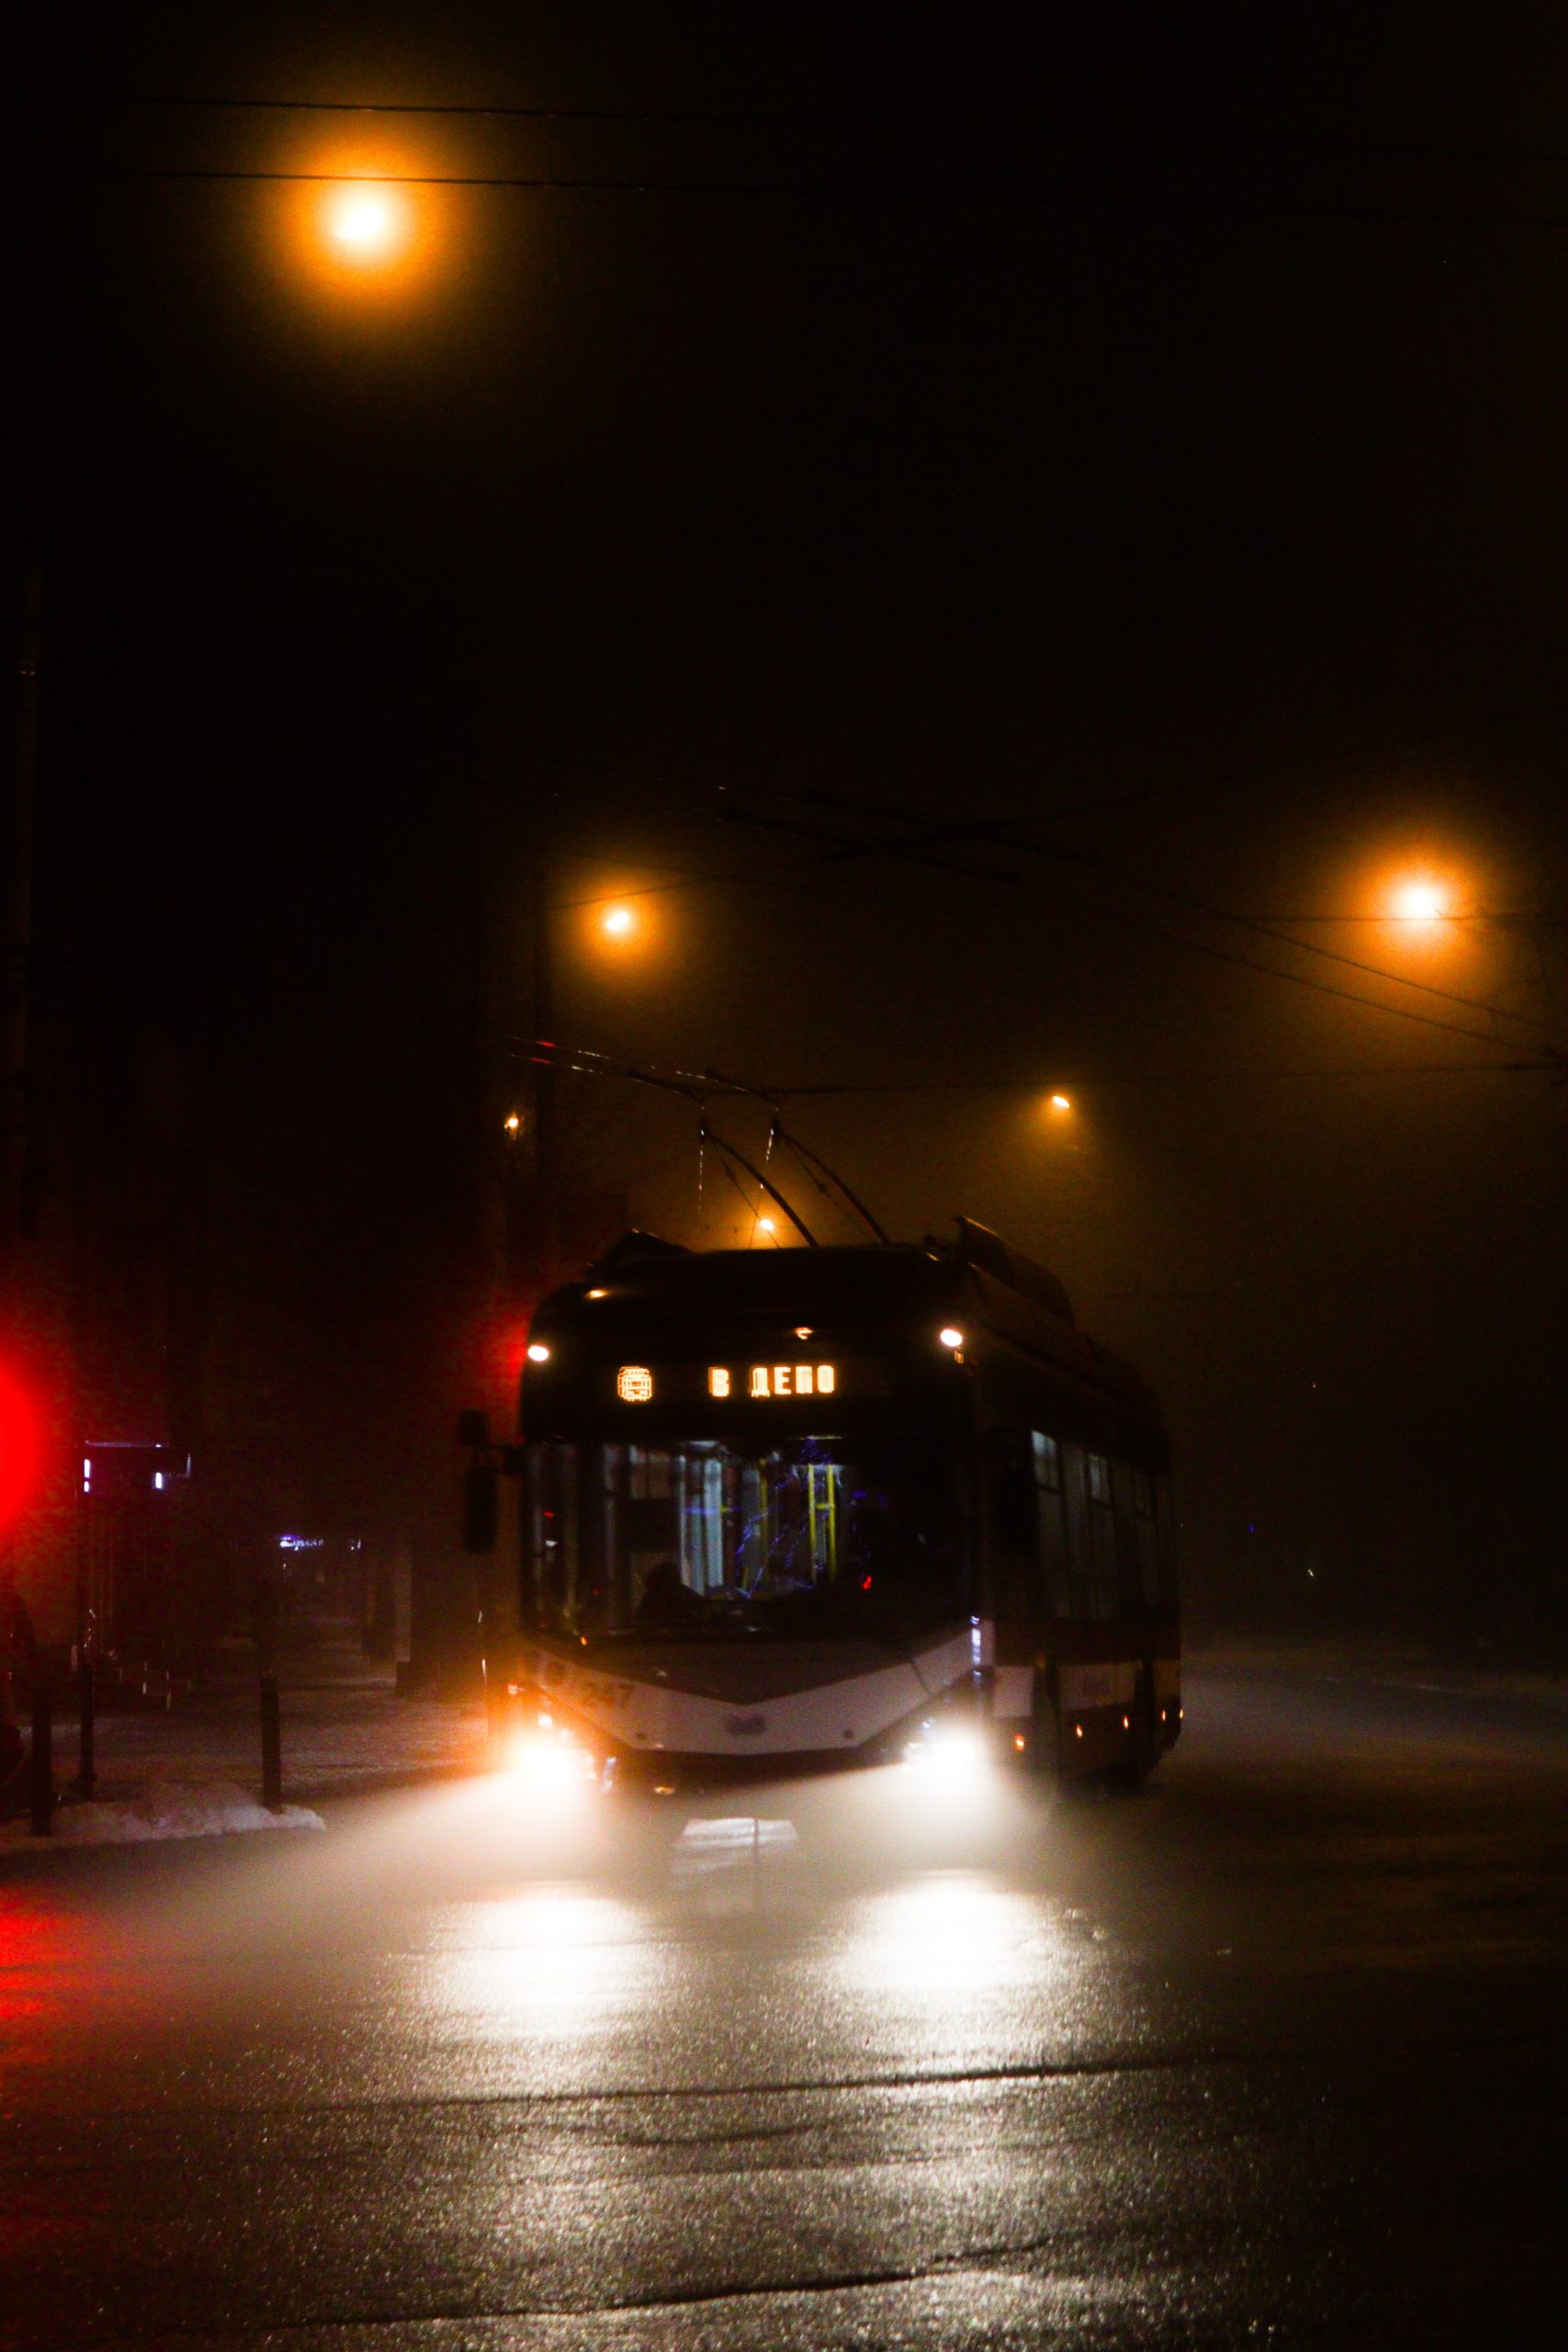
(547, 1106)
(17, 898)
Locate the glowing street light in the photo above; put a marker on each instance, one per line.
(365, 229)
(617, 922)
(363, 224)
(1060, 1103)
(1418, 901)
(767, 1225)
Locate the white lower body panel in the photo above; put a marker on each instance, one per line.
(830, 1718)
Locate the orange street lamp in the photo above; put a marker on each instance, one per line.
(1418, 901)
(365, 225)
(363, 228)
(617, 922)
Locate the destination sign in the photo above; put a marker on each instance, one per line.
(775, 1380)
(635, 1383)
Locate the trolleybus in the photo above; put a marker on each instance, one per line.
(787, 1508)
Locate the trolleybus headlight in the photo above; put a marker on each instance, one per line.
(548, 1761)
(951, 1753)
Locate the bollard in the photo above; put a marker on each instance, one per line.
(272, 1745)
(40, 1765)
(86, 1775)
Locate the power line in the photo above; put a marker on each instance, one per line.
(587, 1062)
(1333, 956)
(1022, 199)
(1555, 1066)
(789, 870)
(889, 126)
(1207, 947)
(1003, 833)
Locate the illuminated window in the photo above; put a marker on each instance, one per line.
(633, 1384)
(718, 1380)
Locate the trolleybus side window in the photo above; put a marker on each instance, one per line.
(1166, 1516)
(1146, 1538)
(552, 1528)
(1013, 1520)
(1051, 1517)
(1129, 1597)
(1075, 1489)
(1103, 1563)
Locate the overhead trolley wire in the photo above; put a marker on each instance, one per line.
(586, 1062)
(797, 191)
(1230, 955)
(1006, 834)
(1126, 136)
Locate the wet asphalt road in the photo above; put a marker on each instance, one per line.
(1273, 2054)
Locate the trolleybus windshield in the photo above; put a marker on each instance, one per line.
(816, 1538)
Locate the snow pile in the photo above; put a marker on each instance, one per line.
(166, 1809)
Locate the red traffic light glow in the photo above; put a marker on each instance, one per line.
(21, 1449)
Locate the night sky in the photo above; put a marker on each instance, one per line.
(1144, 436)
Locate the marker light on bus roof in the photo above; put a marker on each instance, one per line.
(538, 1352)
(598, 1294)
(950, 1336)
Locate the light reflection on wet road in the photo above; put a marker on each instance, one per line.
(1275, 2054)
